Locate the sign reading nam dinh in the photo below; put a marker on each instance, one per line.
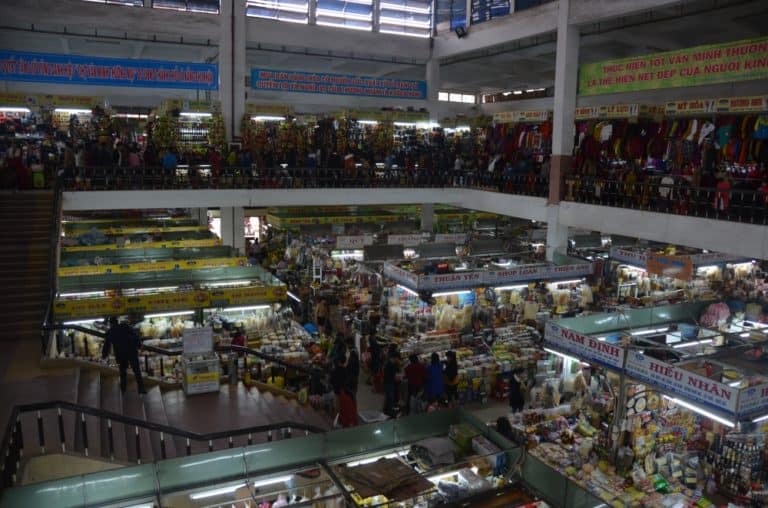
(701, 65)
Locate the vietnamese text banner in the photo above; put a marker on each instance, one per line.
(583, 347)
(337, 84)
(700, 65)
(680, 382)
(89, 70)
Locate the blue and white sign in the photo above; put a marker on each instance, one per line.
(337, 84)
(91, 70)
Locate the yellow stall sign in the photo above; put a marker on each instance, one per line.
(207, 242)
(157, 266)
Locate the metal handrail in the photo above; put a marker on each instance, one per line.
(12, 444)
(222, 349)
(125, 178)
(53, 261)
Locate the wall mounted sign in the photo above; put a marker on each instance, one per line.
(91, 70)
(700, 65)
(336, 84)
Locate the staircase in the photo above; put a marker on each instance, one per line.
(234, 407)
(25, 249)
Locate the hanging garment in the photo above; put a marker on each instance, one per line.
(706, 129)
(723, 195)
(760, 130)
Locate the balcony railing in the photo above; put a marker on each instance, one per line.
(735, 204)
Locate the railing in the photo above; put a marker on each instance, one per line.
(53, 262)
(13, 444)
(735, 204)
(275, 366)
(112, 178)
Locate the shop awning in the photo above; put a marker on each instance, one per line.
(486, 247)
(382, 252)
(436, 250)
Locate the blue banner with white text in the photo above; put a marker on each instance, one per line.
(337, 84)
(91, 70)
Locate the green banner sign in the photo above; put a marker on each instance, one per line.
(700, 65)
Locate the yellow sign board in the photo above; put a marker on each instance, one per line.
(151, 230)
(268, 109)
(754, 104)
(171, 301)
(521, 116)
(207, 242)
(156, 266)
(17, 99)
(203, 377)
(343, 219)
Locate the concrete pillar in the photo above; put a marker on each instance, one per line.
(433, 88)
(147, 3)
(557, 234)
(201, 214)
(232, 228)
(376, 25)
(232, 65)
(427, 217)
(566, 88)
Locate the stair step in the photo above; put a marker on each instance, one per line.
(89, 394)
(154, 408)
(133, 406)
(112, 400)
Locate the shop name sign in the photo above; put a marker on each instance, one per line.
(337, 84)
(533, 272)
(90, 70)
(753, 400)
(452, 280)
(630, 257)
(677, 267)
(353, 242)
(457, 238)
(583, 347)
(696, 66)
(397, 274)
(406, 240)
(681, 382)
(521, 116)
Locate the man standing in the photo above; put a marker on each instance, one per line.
(126, 343)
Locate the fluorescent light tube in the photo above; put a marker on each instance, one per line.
(693, 343)
(408, 290)
(370, 460)
(251, 307)
(193, 114)
(449, 293)
(734, 384)
(73, 111)
(404, 124)
(368, 122)
(84, 294)
(267, 118)
(291, 295)
(703, 412)
(760, 419)
(170, 314)
(227, 284)
(215, 492)
(745, 334)
(649, 332)
(15, 110)
(272, 481)
(82, 322)
(507, 288)
(574, 281)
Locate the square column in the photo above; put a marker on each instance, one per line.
(557, 234)
(433, 88)
(427, 217)
(232, 65)
(233, 228)
(566, 89)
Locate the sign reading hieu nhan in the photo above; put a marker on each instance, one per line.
(91, 70)
(701, 65)
(337, 84)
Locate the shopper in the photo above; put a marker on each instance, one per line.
(125, 341)
(504, 428)
(516, 391)
(451, 374)
(435, 387)
(391, 375)
(353, 368)
(416, 375)
(321, 315)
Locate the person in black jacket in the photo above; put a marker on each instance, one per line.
(125, 341)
